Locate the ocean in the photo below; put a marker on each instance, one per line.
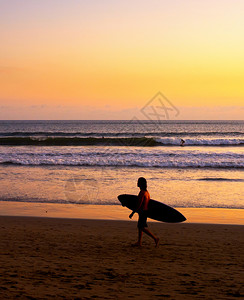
(91, 162)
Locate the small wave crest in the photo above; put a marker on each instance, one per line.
(119, 134)
(146, 164)
(221, 179)
(109, 203)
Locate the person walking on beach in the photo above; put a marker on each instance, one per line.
(141, 209)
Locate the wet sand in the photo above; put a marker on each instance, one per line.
(84, 259)
(114, 212)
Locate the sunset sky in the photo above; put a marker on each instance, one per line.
(106, 59)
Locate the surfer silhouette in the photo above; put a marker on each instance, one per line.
(182, 142)
(141, 209)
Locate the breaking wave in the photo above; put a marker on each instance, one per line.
(116, 141)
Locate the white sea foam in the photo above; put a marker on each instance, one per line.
(119, 156)
(201, 141)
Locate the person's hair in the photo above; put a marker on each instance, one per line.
(142, 183)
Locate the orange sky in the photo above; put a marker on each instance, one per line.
(106, 59)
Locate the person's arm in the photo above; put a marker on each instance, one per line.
(140, 200)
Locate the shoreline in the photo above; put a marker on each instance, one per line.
(115, 212)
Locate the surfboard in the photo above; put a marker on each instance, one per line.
(156, 210)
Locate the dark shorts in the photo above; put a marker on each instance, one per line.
(142, 221)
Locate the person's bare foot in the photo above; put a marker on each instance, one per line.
(136, 245)
(156, 242)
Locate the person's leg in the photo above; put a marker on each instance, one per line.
(138, 243)
(149, 233)
(139, 236)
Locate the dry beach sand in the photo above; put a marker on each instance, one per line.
(84, 259)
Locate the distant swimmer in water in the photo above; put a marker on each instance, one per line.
(182, 142)
(142, 207)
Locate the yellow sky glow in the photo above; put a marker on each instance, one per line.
(120, 54)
